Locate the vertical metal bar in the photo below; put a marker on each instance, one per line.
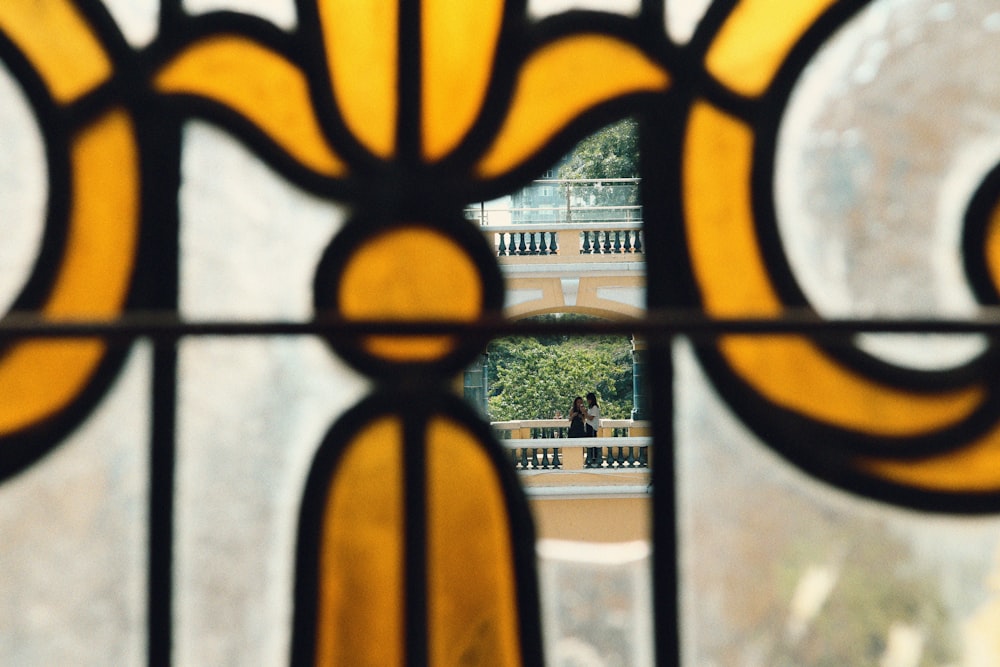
(409, 148)
(415, 572)
(666, 578)
(661, 132)
(161, 508)
(409, 134)
(157, 278)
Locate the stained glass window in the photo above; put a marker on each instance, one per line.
(240, 285)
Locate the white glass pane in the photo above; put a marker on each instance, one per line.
(542, 8)
(250, 242)
(779, 569)
(888, 133)
(73, 536)
(279, 12)
(137, 19)
(682, 17)
(23, 189)
(251, 412)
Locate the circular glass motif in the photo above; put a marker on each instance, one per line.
(407, 272)
(888, 132)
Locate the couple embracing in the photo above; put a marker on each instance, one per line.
(584, 420)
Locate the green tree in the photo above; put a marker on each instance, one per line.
(611, 152)
(537, 377)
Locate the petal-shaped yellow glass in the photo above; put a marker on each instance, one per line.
(361, 589)
(973, 468)
(558, 83)
(755, 40)
(260, 84)
(473, 611)
(59, 44)
(361, 38)
(726, 260)
(38, 378)
(410, 273)
(459, 43)
(360, 618)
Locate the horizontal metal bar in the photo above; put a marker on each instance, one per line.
(663, 324)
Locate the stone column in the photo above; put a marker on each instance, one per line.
(476, 385)
(638, 379)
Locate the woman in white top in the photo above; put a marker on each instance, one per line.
(594, 456)
(593, 415)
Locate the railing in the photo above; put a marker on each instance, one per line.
(614, 448)
(567, 239)
(564, 201)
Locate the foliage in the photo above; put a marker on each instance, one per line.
(874, 591)
(757, 543)
(537, 377)
(611, 152)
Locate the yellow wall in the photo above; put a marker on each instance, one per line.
(592, 519)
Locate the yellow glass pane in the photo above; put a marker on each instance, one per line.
(734, 282)
(411, 273)
(756, 39)
(473, 611)
(561, 81)
(459, 42)
(361, 41)
(39, 378)
(974, 468)
(59, 44)
(262, 86)
(360, 617)
(993, 246)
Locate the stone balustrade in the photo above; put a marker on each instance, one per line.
(604, 240)
(620, 444)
